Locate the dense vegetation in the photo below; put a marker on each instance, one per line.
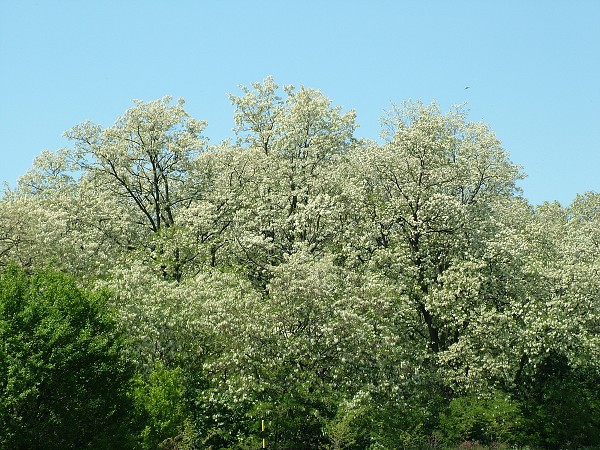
(352, 294)
(63, 376)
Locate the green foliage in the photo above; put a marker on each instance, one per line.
(161, 400)
(63, 380)
(342, 431)
(562, 404)
(490, 419)
(353, 294)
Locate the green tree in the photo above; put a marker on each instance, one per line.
(492, 419)
(561, 404)
(161, 401)
(63, 378)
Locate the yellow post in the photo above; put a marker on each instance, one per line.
(263, 431)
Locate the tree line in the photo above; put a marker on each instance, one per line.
(351, 293)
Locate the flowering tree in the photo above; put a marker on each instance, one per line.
(289, 148)
(432, 202)
(143, 166)
(303, 276)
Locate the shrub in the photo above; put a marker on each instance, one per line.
(482, 419)
(63, 380)
(562, 404)
(160, 400)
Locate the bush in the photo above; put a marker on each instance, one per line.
(562, 405)
(482, 419)
(160, 400)
(63, 380)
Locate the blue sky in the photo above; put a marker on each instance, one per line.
(533, 68)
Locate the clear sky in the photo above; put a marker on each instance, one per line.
(532, 67)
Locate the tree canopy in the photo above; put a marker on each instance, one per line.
(352, 293)
(63, 376)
